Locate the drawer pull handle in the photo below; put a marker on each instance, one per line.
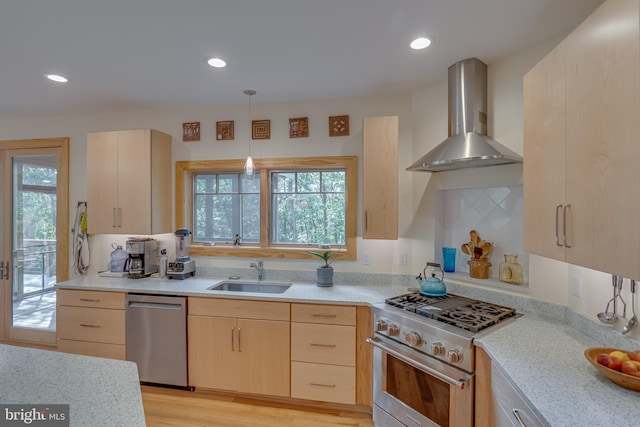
(89, 300)
(324, 315)
(322, 345)
(88, 325)
(323, 385)
(516, 412)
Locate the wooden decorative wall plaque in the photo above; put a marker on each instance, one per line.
(261, 129)
(191, 131)
(339, 125)
(224, 130)
(299, 127)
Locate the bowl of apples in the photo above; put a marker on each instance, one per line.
(620, 366)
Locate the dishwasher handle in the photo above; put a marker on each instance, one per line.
(155, 305)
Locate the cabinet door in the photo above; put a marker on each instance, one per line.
(102, 182)
(380, 177)
(213, 361)
(134, 181)
(544, 156)
(263, 357)
(603, 108)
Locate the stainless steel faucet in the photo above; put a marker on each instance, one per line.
(258, 264)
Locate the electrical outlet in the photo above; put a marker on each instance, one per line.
(365, 259)
(402, 259)
(576, 286)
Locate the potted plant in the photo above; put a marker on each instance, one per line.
(325, 272)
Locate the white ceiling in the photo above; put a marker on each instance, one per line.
(145, 54)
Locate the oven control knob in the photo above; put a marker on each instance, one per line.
(413, 339)
(393, 331)
(381, 325)
(454, 356)
(437, 349)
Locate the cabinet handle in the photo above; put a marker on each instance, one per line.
(564, 225)
(89, 300)
(113, 218)
(239, 344)
(4, 270)
(232, 346)
(323, 385)
(366, 219)
(516, 412)
(322, 345)
(557, 232)
(88, 325)
(323, 315)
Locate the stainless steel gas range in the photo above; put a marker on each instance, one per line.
(424, 361)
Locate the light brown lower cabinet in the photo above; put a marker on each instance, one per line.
(239, 345)
(91, 323)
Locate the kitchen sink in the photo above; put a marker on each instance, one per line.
(250, 286)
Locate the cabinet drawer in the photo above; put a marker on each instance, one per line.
(508, 401)
(322, 313)
(242, 309)
(91, 324)
(327, 383)
(328, 344)
(96, 299)
(97, 349)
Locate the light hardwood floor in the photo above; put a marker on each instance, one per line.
(169, 407)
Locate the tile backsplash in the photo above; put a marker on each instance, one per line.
(494, 212)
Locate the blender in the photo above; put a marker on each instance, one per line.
(183, 266)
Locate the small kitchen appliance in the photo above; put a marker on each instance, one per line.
(183, 266)
(143, 257)
(428, 341)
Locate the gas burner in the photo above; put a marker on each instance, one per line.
(464, 313)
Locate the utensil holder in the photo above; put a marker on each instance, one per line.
(479, 268)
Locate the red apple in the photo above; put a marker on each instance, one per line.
(634, 355)
(631, 367)
(609, 361)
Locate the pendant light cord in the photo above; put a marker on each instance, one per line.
(248, 166)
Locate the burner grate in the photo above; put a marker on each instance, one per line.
(461, 312)
(474, 316)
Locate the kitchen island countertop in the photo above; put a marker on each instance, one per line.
(99, 392)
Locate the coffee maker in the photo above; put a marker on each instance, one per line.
(143, 257)
(183, 266)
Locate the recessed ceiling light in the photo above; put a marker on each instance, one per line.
(420, 43)
(56, 78)
(216, 62)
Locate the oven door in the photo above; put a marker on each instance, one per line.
(411, 389)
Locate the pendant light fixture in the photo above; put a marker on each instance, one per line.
(249, 168)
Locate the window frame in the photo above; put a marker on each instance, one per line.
(184, 204)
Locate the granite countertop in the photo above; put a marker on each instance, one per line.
(99, 392)
(541, 353)
(197, 286)
(544, 360)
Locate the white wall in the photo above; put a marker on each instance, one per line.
(383, 255)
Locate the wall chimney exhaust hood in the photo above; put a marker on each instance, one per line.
(468, 144)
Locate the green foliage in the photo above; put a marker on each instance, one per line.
(327, 256)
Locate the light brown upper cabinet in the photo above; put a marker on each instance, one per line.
(380, 177)
(129, 182)
(596, 222)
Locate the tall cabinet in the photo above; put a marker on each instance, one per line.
(129, 182)
(380, 177)
(596, 220)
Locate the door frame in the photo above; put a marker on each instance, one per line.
(61, 145)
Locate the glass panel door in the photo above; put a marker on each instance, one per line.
(31, 242)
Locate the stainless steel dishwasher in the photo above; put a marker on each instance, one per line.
(157, 338)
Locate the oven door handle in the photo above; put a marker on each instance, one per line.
(460, 383)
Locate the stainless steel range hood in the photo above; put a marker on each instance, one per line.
(468, 144)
